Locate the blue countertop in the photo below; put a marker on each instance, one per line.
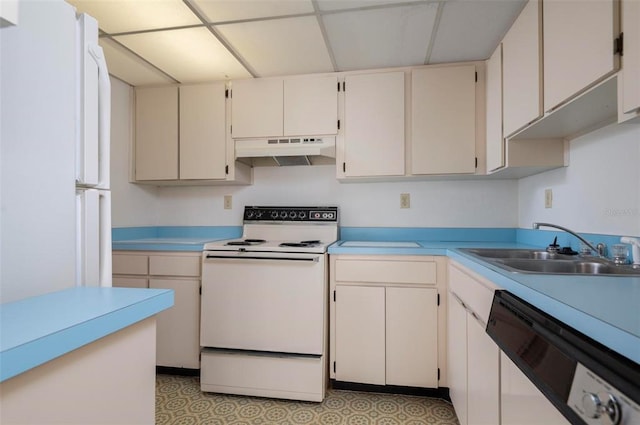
(38, 329)
(605, 308)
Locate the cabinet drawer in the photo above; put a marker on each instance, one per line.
(130, 264)
(130, 282)
(477, 296)
(419, 272)
(166, 265)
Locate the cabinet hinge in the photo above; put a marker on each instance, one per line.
(476, 76)
(438, 300)
(344, 167)
(438, 374)
(226, 93)
(618, 45)
(334, 367)
(476, 162)
(338, 124)
(344, 86)
(334, 296)
(226, 169)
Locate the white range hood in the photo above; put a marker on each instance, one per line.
(287, 151)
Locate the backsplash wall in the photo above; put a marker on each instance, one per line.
(600, 190)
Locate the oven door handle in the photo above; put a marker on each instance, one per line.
(255, 257)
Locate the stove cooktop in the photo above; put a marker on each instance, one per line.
(311, 246)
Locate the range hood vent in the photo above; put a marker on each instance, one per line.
(287, 151)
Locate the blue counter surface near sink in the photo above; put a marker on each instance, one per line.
(605, 308)
(38, 329)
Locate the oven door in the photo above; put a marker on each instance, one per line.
(264, 301)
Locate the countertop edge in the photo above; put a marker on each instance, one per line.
(23, 357)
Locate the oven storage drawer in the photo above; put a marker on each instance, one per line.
(288, 377)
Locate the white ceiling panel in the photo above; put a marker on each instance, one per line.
(130, 69)
(381, 38)
(188, 55)
(328, 5)
(134, 15)
(280, 46)
(470, 30)
(235, 10)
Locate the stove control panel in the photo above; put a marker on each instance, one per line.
(291, 214)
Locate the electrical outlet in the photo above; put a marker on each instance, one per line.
(405, 200)
(227, 202)
(548, 198)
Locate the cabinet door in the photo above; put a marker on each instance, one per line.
(412, 337)
(202, 132)
(360, 339)
(443, 120)
(178, 328)
(310, 106)
(495, 142)
(457, 356)
(521, 69)
(519, 398)
(374, 125)
(630, 84)
(578, 46)
(256, 108)
(483, 375)
(156, 133)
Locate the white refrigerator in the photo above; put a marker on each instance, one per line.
(54, 159)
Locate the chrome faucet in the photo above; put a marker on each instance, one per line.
(599, 250)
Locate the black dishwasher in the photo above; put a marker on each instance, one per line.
(587, 382)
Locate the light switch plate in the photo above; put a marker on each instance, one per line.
(227, 202)
(548, 198)
(405, 200)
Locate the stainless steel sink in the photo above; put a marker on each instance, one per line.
(537, 261)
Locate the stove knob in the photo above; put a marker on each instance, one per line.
(250, 214)
(603, 406)
(258, 214)
(292, 214)
(274, 214)
(283, 214)
(302, 215)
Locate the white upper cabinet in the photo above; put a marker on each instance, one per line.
(156, 140)
(495, 141)
(443, 120)
(521, 70)
(275, 107)
(629, 80)
(310, 106)
(578, 46)
(202, 132)
(373, 135)
(257, 108)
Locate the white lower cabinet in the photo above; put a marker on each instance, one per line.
(473, 357)
(521, 402)
(178, 328)
(384, 320)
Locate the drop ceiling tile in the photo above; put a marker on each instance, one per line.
(234, 10)
(328, 5)
(188, 55)
(134, 15)
(381, 38)
(128, 67)
(280, 46)
(471, 30)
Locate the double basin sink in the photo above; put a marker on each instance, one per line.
(543, 262)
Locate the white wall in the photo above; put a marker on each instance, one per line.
(433, 204)
(132, 205)
(600, 190)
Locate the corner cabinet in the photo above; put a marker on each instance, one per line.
(276, 107)
(181, 137)
(443, 120)
(385, 320)
(372, 142)
(178, 328)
